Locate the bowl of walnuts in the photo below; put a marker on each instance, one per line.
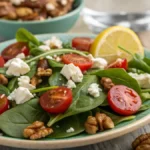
(38, 16)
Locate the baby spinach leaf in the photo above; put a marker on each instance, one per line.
(23, 35)
(144, 107)
(76, 122)
(15, 120)
(119, 76)
(67, 45)
(117, 118)
(57, 79)
(13, 83)
(134, 70)
(55, 64)
(82, 101)
(36, 51)
(33, 68)
(145, 96)
(4, 90)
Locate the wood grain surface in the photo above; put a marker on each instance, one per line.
(124, 142)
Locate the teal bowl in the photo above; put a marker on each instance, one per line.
(59, 24)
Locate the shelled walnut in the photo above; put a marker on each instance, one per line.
(3, 80)
(35, 80)
(100, 122)
(107, 83)
(37, 131)
(44, 72)
(142, 142)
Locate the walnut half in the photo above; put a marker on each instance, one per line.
(142, 142)
(3, 80)
(100, 122)
(37, 131)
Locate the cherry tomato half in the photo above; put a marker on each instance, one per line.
(4, 103)
(124, 100)
(14, 49)
(2, 62)
(56, 100)
(82, 43)
(82, 62)
(119, 63)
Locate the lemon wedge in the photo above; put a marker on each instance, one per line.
(106, 44)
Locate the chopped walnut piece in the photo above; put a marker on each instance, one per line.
(37, 131)
(24, 11)
(142, 142)
(104, 121)
(3, 80)
(43, 63)
(91, 125)
(107, 83)
(35, 80)
(44, 72)
(100, 122)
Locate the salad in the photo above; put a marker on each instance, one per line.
(55, 89)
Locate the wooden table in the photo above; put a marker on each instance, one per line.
(124, 142)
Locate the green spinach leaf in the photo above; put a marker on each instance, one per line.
(82, 101)
(13, 84)
(33, 68)
(4, 90)
(36, 51)
(23, 35)
(76, 122)
(15, 120)
(55, 64)
(119, 76)
(56, 79)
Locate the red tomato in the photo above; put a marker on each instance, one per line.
(119, 63)
(124, 100)
(4, 103)
(56, 100)
(82, 62)
(82, 43)
(2, 62)
(14, 49)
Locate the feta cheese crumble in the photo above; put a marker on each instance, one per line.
(100, 63)
(142, 79)
(72, 72)
(44, 47)
(50, 6)
(20, 95)
(21, 56)
(17, 2)
(24, 81)
(94, 90)
(54, 42)
(16, 67)
(70, 130)
(71, 84)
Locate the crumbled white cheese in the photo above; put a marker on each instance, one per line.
(21, 56)
(72, 72)
(16, 2)
(71, 84)
(142, 79)
(44, 47)
(58, 59)
(50, 6)
(63, 2)
(24, 81)
(49, 57)
(20, 95)
(17, 67)
(54, 42)
(70, 130)
(94, 90)
(100, 63)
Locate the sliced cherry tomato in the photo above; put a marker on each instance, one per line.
(14, 49)
(82, 43)
(56, 100)
(2, 62)
(82, 62)
(124, 100)
(4, 103)
(119, 63)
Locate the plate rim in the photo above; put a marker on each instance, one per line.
(72, 142)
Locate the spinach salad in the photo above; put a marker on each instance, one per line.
(53, 89)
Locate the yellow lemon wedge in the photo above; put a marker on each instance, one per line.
(106, 44)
